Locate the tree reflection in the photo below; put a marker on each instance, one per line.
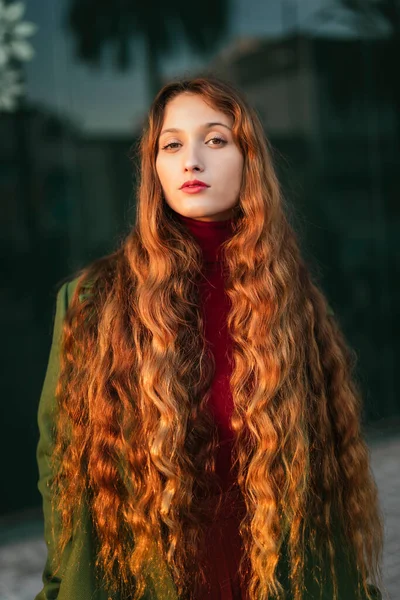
(162, 26)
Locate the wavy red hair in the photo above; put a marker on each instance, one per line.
(136, 375)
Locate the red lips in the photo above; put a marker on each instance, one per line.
(194, 183)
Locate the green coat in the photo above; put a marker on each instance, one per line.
(75, 579)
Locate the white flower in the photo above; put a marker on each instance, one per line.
(10, 88)
(13, 33)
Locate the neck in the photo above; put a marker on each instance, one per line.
(208, 234)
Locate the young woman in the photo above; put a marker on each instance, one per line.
(200, 429)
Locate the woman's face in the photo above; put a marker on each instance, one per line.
(200, 146)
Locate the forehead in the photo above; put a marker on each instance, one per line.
(188, 111)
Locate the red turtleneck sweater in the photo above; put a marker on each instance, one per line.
(224, 545)
(215, 306)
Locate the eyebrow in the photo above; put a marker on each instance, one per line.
(205, 126)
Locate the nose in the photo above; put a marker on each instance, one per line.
(192, 161)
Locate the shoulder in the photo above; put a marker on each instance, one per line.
(329, 311)
(75, 285)
(91, 284)
(71, 287)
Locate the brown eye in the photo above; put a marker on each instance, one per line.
(170, 145)
(217, 139)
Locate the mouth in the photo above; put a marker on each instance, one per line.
(194, 183)
(193, 189)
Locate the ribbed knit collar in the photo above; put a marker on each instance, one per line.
(208, 234)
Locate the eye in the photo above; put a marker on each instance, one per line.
(217, 139)
(173, 145)
(170, 145)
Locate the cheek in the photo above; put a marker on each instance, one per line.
(233, 170)
(162, 173)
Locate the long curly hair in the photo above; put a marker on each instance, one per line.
(135, 440)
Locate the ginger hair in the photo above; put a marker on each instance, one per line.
(135, 376)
